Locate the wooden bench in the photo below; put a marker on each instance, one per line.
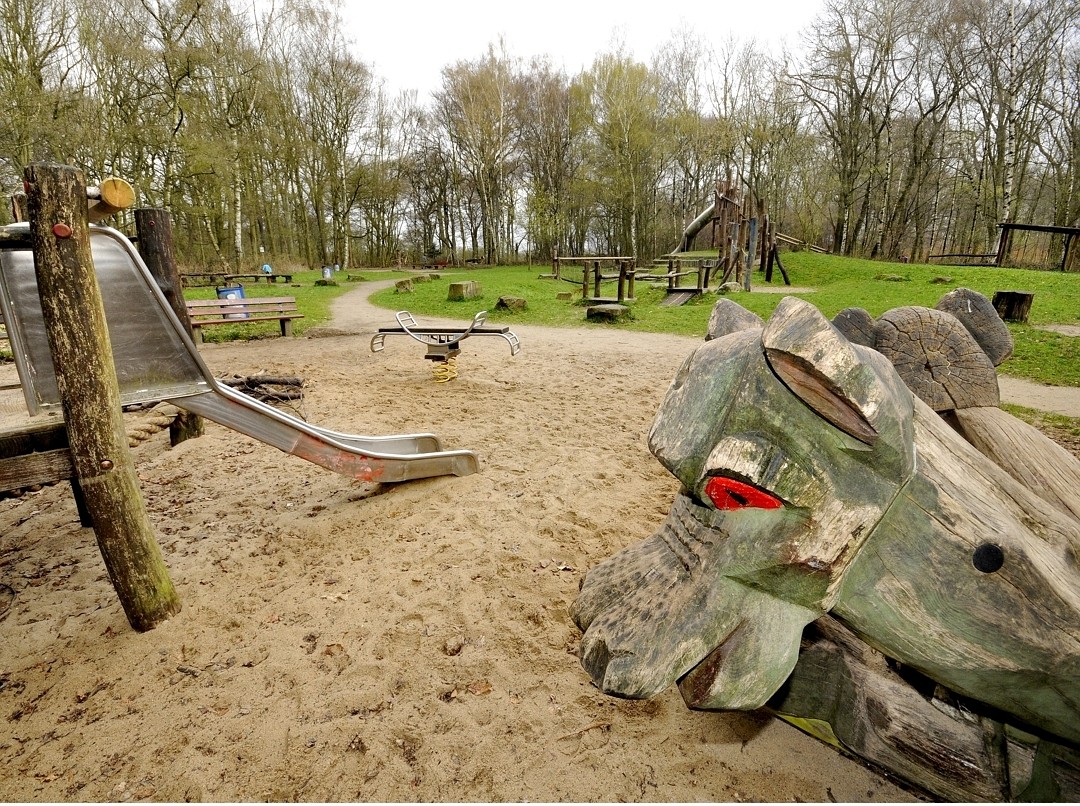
(207, 312)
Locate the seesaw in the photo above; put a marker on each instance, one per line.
(156, 359)
(443, 343)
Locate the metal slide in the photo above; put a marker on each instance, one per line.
(155, 359)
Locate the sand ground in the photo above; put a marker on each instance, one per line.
(347, 641)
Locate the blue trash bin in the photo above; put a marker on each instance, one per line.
(233, 292)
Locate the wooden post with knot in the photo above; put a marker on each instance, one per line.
(74, 318)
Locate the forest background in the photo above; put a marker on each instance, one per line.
(900, 129)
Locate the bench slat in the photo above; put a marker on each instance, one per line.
(212, 303)
(241, 320)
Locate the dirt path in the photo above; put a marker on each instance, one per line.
(353, 313)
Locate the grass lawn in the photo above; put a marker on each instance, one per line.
(838, 283)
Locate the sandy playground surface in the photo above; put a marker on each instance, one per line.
(342, 641)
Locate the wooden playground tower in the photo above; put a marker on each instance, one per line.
(744, 235)
(741, 231)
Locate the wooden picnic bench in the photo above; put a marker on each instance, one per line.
(207, 312)
(202, 278)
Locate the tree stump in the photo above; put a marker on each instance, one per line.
(1013, 306)
(937, 358)
(467, 289)
(403, 286)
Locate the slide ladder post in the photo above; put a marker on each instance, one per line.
(154, 228)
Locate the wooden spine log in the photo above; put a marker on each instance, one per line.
(937, 358)
(978, 315)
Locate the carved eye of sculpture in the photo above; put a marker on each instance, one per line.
(729, 494)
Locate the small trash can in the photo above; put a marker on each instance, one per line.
(327, 272)
(233, 292)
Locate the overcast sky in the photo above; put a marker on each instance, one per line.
(409, 41)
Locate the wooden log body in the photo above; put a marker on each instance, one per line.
(847, 694)
(82, 357)
(1025, 453)
(815, 482)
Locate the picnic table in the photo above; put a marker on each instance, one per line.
(222, 278)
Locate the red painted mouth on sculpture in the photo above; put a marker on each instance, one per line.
(729, 494)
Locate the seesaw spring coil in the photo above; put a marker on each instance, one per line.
(443, 371)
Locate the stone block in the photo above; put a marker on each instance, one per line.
(608, 312)
(467, 289)
(509, 303)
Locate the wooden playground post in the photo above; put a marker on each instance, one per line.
(701, 270)
(18, 207)
(763, 225)
(732, 271)
(154, 228)
(631, 272)
(751, 251)
(74, 318)
(622, 280)
(596, 278)
(584, 279)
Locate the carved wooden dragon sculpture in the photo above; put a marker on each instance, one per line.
(818, 488)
